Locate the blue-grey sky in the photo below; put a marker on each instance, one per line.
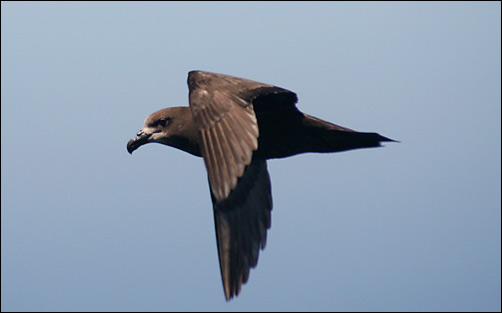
(408, 227)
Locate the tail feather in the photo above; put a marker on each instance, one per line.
(324, 136)
(336, 140)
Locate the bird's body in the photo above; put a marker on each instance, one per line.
(237, 124)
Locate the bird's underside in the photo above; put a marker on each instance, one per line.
(236, 125)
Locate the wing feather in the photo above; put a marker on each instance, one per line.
(241, 222)
(240, 186)
(224, 164)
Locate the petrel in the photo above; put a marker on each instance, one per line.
(235, 125)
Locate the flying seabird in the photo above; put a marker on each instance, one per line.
(237, 124)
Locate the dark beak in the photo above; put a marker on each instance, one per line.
(137, 141)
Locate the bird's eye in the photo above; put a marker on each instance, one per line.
(162, 122)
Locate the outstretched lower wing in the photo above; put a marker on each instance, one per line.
(241, 223)
(222, 107)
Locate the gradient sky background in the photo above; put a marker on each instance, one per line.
(411, 226)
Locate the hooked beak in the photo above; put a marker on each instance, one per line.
(137, 141)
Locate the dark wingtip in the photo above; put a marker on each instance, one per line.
(230, 295)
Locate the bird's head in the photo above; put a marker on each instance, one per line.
(171, 126)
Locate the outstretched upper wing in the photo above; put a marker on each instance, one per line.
(223, 110)
(222, 107)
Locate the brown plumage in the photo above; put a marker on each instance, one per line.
(237, 124)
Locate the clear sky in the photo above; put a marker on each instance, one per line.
(408, 227)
